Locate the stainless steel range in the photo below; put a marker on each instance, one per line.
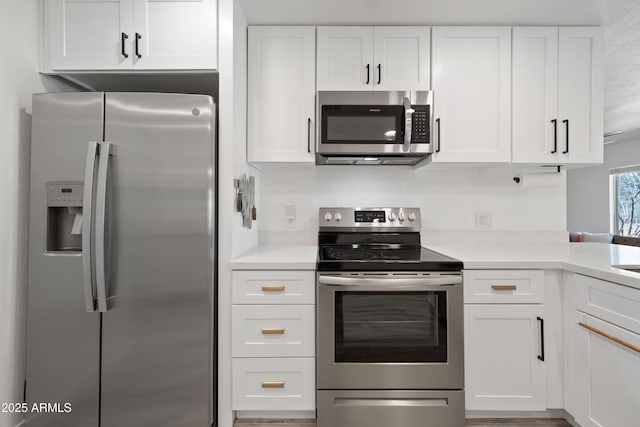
(389, 323)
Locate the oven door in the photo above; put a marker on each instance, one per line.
(390, 331)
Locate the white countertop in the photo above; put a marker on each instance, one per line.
(592, 259)
(277, 257)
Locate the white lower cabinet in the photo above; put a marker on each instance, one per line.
(503, 370)
(503, 328)
(274, 384)
(273, 342)
(602, 357)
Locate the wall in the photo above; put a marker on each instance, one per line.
(18, 80)
(448, 197)
(588, 200)
(233, 239)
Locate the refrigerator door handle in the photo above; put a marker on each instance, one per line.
(101, 209)
(87, 229)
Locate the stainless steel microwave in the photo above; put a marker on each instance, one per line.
(374, 127)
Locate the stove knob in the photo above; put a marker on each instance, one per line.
(338, 216)
(327, 216)
(412, 216)
(392, 216)
(401, 216)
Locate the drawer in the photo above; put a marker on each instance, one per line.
(273, 330)
(503, 286)
(608, 301)
(273, 287)
(274, 384)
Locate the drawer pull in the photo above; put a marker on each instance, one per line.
(272, 331)
(504, 287)
(610, 337)
(272, 288)
(272, 384)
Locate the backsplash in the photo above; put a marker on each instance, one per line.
(450, 199)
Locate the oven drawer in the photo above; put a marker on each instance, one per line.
(273, 330)
(337, 408)
(273, 287)
(274, 384)
(503, 286)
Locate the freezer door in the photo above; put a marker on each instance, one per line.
(157, 333)
(63, 339)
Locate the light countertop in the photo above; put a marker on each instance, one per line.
(592, 259)
(277, 257)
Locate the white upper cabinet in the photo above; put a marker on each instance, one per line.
(373, 58)
(535, 95)
(471, 81)
(129, 35)
(88, 34)
(557, 95)
(281, 94)
(401, 57)
(175, 34)
(581, 111)
(345, 58)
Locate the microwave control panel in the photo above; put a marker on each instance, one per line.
(420, 124)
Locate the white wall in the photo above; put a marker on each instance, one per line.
(243, 239)
(588, 203)
(449, 198)
(18, 80)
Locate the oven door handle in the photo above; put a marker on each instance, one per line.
(368, 281)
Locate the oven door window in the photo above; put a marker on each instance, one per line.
(390, 327)
(360, 124)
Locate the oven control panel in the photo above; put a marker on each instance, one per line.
(367, 219)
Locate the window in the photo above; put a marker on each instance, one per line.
(625, 186)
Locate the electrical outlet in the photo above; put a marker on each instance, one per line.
(484, 220)
(290, 215)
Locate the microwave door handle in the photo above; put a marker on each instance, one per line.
(408, 117)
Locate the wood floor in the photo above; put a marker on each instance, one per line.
(475, 422)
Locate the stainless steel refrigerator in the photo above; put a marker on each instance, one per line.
(120, 317)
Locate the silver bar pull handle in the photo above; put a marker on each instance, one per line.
(87, 229)
(101, 209)
(408, 120)
(361, 281)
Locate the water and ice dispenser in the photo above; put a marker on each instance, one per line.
(64, 216)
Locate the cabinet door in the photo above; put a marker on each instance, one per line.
(175, 34)
(535, 95)
(581, 95)
(609, 377)
(88, 34)
(345, 58)
(471, 72)
(281, 92)
(401, 58)
(502, 369)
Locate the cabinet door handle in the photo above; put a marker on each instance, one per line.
(123, 40)
(272, 331)
(138, 37)
(566, 123)
(541, 355)
(555, 136)
(309, 135)
(379, 73)
(368, 73)
(272, 288)
(504, 287)
(272, 384)
(438, 133)
(610, 337)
